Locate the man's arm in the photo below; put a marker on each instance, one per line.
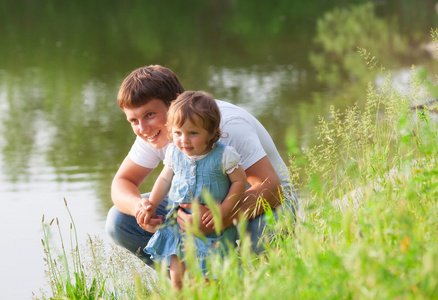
(264, 183)
(125, 186)
(265, 186)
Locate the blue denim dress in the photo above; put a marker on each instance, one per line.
(189, 180)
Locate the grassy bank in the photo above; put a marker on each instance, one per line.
(367, 224)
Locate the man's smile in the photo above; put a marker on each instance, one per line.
(152, 136)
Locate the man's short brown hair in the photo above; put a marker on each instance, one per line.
(147, 83)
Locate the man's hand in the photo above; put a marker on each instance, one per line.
(208, 218)
(185, 220)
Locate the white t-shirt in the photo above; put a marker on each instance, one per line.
(241, 131)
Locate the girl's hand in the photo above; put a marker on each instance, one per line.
(153, 224)
(140, 214)
(146, 221)
(145, 211)
(146, 216)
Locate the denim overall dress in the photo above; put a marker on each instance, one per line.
(189, 180)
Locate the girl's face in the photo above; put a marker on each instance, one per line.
(149, 122)
(191, 138)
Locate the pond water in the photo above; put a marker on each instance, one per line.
(61, 64)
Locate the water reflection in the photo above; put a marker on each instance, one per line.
(341, 33)
(255, 88)
(62, 134)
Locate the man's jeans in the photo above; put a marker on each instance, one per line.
(125, 232)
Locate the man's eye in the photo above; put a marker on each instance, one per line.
(150, 114)
(133, 121)
(193, 133)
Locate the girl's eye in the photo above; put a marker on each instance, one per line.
(133, 121)
(193, 133)
(150, 114)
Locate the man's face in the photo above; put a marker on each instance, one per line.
(149, 122)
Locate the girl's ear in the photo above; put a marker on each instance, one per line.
(214, 137)
(215, 133)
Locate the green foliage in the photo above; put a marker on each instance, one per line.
(341, 31)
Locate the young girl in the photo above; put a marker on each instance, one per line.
(194, 162)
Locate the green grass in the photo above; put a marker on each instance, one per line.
(96, 272)
(367, 226)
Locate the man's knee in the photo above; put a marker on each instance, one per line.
(125, 232)
(111, 226)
